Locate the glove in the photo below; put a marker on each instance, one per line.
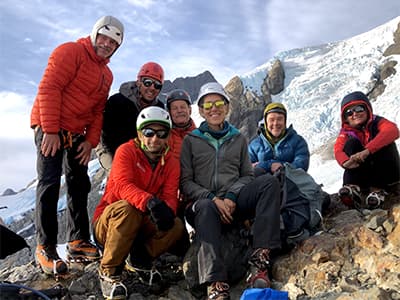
(161, 214)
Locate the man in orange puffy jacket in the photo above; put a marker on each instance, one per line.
(67, 117)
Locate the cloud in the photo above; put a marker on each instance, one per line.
(14, 112)
(17, 163)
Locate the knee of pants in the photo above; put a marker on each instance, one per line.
(80, 191)
(203, 204)
(352, 146)
(123, 210)
(121, 215)
(179, 228)
(267, 180)
(205, 207)
(205, 212)
(79, 184)
(161, 241)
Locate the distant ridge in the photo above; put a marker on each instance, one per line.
(8, 192)
(190, 84)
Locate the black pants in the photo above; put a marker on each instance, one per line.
(49, 170)
(260, 200)
(379, 169)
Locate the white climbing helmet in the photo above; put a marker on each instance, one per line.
(211, 88)
(153, 114)
(109, 26)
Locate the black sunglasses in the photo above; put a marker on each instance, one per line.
(355, 109)
(148, 82)
(161, 134)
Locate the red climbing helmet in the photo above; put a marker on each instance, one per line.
(152, 70)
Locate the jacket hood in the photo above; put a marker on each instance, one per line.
(130, 90)
(90, 49)
(355, 98)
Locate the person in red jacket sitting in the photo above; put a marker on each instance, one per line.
(135, 221)
(366, 149)
(67, 117)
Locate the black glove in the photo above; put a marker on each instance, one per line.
(161, 214)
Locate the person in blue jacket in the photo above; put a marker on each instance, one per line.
(277, 144)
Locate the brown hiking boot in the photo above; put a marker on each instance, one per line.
(49, 261)
(259, 264)
(218, 291)
(82, 249)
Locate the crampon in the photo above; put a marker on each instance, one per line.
(77, 263)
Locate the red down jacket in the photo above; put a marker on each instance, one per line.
(73, 91)
(133, 179)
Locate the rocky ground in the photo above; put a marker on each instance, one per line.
(357, 256)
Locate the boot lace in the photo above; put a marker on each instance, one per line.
(260, 258)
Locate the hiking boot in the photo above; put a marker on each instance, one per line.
(218, 291)
(112, 287)
(350, 195)
(147, 274)
(298, 236)
(81, 249)
(375, 199)
(259, 264)
(49, 261)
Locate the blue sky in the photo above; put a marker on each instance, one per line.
(187, 37)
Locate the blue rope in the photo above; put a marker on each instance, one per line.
(39, 293)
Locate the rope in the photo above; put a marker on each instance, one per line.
(39, 293)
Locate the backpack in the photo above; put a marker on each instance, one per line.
(264, 294)
(302, 202)
(10, 242)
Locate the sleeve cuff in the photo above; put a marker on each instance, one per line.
(231, 196)
(210, 196)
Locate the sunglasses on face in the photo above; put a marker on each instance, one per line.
(147, 82)
(217, 104)
(356, 109)
(161, 134)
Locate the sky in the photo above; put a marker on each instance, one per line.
(187, 37)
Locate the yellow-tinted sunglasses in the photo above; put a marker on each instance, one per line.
(217, 104)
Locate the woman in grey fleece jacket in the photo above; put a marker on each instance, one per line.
(217, 176)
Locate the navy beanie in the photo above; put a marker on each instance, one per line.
(355, 96)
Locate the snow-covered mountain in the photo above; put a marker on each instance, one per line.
(316, 80)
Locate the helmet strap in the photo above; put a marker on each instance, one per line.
(154, 156)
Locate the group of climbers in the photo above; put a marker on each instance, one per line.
(162, 171)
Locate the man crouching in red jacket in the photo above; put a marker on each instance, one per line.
(135, 221)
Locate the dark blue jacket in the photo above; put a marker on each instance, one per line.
(292, 148)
